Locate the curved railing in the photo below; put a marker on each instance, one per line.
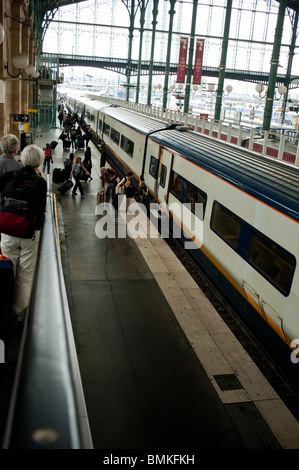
(47, 408)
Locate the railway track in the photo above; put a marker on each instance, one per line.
(282, 384)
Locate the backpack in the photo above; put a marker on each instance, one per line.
(19, 206)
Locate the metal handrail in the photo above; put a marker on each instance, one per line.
(47, 408)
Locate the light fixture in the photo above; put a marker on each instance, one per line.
(282, 90)
(2, 92)
(2, 33)
(211, 87)
(21, 62)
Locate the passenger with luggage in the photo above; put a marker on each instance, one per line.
(47, 158)
(23, 251)
(108, 181)
(125, 186)
(9, 145)
(64, 136)
(68, 164)
(77, 172)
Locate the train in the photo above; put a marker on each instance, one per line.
(247, 243)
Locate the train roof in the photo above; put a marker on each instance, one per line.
(274, 182)
(137, 121)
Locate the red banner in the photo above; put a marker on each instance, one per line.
(198, 61)
(182, 60)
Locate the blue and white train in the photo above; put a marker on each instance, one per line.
(249, 247)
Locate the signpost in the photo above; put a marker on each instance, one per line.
(20, 117)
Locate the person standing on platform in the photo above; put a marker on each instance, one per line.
(88, 135)
(60, 116)
(108, 177)
(87, 160)
(23, 251)
(9, 145)
(77, 168)
(103, 155)
(47, 158)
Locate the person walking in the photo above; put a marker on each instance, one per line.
(9, 145)
(47, 158)
(76, 172)
(23, 251)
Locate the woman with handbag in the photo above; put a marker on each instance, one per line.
(77, 172)
(125, 186)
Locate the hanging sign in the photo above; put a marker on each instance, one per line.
(197, 72)
(182, 60)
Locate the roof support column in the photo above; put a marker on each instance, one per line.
(151, 64)
(142, 15)
(190, 60)
(290, 62)
(131, 32)
(222, 66)
(274, 65)
(167, 67)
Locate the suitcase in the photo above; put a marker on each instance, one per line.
(65, 186)
(8, 320)
(80, 142)
(53, 144)
(60, 175)
(100, 197)
(66, 144)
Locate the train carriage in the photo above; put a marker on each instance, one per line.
(247, 241)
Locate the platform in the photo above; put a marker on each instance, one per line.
(160, 369)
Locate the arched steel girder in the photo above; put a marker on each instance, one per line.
(120, 66)
(43, 12)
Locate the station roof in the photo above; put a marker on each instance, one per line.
(43, 12)
(293, 4)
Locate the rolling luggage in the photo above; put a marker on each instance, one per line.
(53, 144)
(8, 320)
(66, 186)
(66, 144)
(80, 142)
(60, 175)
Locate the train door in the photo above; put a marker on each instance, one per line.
(164, 170)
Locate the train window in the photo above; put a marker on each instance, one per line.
(127, 145)
(275, 263)
(226, 224)
(176, 184)
(106, 129)
(88, 115)
(100, 124)
(115, 136)
(153, 167)
(92, 118)
(196, 196)
(163, 176)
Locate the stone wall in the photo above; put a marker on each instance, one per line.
(19, 37)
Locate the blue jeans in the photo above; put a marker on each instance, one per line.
(46, 162)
